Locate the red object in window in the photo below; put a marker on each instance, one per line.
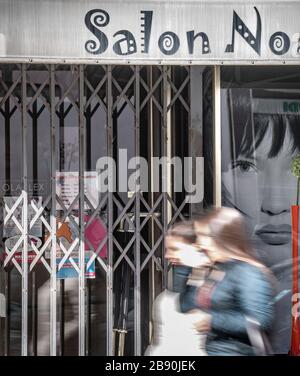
(295, 339)
(95, 232)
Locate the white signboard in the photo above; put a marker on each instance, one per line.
(161, 32)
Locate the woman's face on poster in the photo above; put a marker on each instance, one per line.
(263, 188)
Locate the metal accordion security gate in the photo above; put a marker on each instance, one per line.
(56, 123)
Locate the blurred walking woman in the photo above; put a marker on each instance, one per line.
(238, 290)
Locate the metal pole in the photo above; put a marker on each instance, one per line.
(81, 214)
(7, 318)
(137, 256)
(62, 281)
(195, 124)
(152, 293)
(166, 100)
(34, 309)
(190, 127)
(109, 276)
(168, 153)
(24, 217)
(217, 134)
(53, 285)
(2, 310)
(88, 156)
(7, 273)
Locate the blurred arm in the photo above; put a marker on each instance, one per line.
(255, 300)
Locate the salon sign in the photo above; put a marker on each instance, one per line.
(150, 32)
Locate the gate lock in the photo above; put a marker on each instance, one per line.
(125, 226)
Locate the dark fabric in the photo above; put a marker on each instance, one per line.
(245, 290)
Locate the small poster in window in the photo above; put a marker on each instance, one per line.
(10, 227)
(67, 189)
(68, 270)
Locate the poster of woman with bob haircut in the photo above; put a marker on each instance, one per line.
(260, 138)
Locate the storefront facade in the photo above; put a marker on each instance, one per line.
(89, 93)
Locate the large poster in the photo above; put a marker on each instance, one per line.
(260, 138)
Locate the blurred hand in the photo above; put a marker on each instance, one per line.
(193, 258)
(201, 320)
(186, 254)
